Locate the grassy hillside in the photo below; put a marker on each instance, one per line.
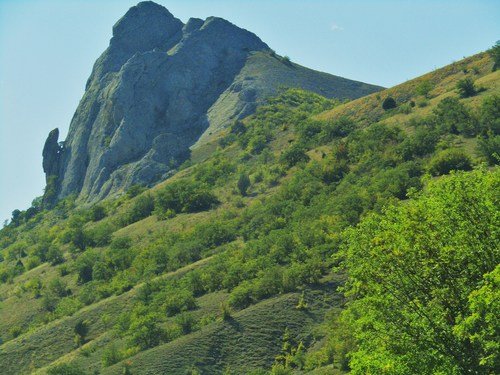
(231, 265)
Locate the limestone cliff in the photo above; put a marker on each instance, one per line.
(161, 87)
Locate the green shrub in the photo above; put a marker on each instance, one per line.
(141, 208)
(243, 183)
(100, 235)
(389, 103)
(424, 88)
(489, 148)
(186, 322)
(489, 114)
(449, 160)
(419, 144)
(55, 255)
(185, 196)
(294, 155)
(145, 331)
(336, 129)
(83, 266)
(135, 190)
(225, 311)
(177, 301)
(453, 117)
(466, 88)
(81, 330)
(111, 355)
(97, 212)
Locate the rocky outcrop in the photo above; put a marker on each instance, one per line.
(51, 154)
(158, 87)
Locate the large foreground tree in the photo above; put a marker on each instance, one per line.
(424, 281)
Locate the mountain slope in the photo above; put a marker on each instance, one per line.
(156, 89)
(239, 244)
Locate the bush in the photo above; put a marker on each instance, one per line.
(145, 331)
(466, 88)
(100, 235)
(55, 255)
(453, 117)
(489, 148)
(449, 160)
(489, 114)
(243, 184)
(141, 208)
(97, 213)
(135, 190)
(185, 196)
(111, 355)
(294, 155)
(180, 300)
(81, 330)
(186, 322)
(419, 144)
(389, 103)
(336, 129)
(424, 88)
(84, 265)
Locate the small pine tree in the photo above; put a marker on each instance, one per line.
(81, 330)
(243, 183)
(466, 88)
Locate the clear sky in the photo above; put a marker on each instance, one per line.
(47, 49)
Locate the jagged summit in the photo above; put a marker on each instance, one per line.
(156, 90)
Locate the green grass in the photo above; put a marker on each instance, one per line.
(249, 340)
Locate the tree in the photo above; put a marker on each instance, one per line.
(185, 196)
(145, 331)
(466, 88)
(495, 54)
(81, 330)
(243, 183)
(97, 213)
(17, 217)
(141, 208)
(424, 88)
(418, 281)
(54, 255)
(294, 155)
(389, 103)
(489, 148)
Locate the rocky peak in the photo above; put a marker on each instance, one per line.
(156, 90)
(144, 27)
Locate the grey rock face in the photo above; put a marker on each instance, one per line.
(51, 154)
(156, 89)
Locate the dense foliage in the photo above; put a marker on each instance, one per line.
(421, 279)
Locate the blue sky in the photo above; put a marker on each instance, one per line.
(47, 49)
